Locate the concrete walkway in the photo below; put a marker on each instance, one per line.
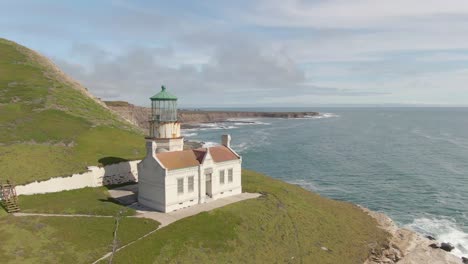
(168, 218)
(127, 195)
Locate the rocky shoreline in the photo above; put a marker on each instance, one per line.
(403, 246)
(406, 246)
(139, 115)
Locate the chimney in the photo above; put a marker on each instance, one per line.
(226, 140)
(150, 147)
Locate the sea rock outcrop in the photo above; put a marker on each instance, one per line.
(406, 246)
(447, 246)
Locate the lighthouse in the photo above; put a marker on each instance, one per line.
(170, 178)
(164, 128)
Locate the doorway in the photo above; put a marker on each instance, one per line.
(208, 186)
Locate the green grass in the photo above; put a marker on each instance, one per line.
(287, 224)
(89, 201)
(28, 162)
(103, 142)
(34, 239)
(45, 126)
(2, 211)
(49, 127)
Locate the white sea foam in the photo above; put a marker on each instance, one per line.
(444, 230)
(319, 116)
(189, 134)
(210, 144)
(241, 147)
(305, 184)
(247, 121)
(216, 126)
(445, 137)
(325, 115)
(209, 126)
(227, 125)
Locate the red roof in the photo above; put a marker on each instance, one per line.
(178, 159)
(222, 153)
(191, 158)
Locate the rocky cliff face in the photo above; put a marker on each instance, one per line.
(139, 115)
(136, 115)
(406, 246)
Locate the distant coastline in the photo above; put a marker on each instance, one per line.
(138, 115)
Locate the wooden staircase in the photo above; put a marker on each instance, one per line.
(8, 197)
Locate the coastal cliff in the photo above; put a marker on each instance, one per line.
(139, 115)
(406, 246)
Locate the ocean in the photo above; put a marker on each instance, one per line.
(409, 163)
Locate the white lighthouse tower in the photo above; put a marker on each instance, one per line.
(164, 127)
(170, 178)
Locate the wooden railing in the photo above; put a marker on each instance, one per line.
(9, 199)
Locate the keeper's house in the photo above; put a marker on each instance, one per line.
(171, 178)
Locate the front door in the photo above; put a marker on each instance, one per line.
(208, 185)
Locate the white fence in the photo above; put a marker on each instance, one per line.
(95, 176)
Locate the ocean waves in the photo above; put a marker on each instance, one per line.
(408, 163)
(444, 230)
(319, 116)
(224, 125)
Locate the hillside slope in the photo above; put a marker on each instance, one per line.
(288, 224)
(50, 125)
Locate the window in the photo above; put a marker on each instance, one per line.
(190, 184)
(180, 185)
(221, 176)
(230, 175)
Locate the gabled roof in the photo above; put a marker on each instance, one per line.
(190, 158)
(221, 153)
(178, 159)
(200, 154)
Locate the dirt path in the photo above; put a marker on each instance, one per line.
(164, 218)
(60, 215)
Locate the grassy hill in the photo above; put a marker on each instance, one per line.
(287, 225)
(38, 239)
(50, 125)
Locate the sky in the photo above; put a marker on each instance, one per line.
(262, 53)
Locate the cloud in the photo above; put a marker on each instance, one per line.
(350, 14)
(240, 70)
(215, 53)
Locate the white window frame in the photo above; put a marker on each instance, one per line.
(222, 176)
(180, 185)
(230, 175)
(191, 184)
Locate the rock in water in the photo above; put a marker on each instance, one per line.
(430, 237)
(447, 247)
(465, 260)
(434, 245)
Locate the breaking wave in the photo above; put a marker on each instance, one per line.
(324, 115)
(444, 230)
(319, 116)
(225, 125)
(189, 134)
(210, 144)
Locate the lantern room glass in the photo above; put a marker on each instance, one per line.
(164, 110)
